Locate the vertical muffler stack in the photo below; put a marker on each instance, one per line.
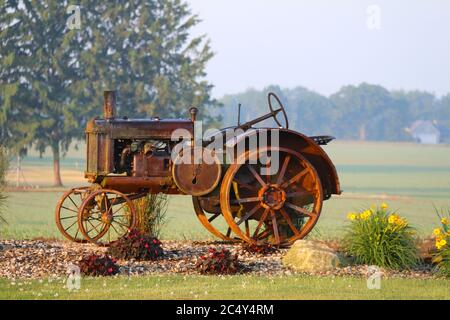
(109, 104)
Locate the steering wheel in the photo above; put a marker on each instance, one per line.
(274, 113)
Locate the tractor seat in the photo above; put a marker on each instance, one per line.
(322, 140)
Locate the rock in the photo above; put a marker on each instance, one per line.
(311, 256)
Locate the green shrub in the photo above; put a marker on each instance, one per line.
(442, 240)
(98, 265)
(380, 237)
(136, 245)
(151, 213)
(218, 262)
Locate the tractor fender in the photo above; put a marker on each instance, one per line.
(306, 147)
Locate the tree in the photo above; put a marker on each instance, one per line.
(421, 104)
(312, 113)
(144, 50)
(360, 110)
(52, 77)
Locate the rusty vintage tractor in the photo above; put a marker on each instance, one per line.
(236, 200)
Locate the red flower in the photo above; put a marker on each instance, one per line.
(110, 270)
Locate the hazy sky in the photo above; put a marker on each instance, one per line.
(323, 45)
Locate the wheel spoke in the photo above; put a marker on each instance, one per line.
(69, 209)
(68, 217)
(245, 185)
(123, 205)
(261, 221)
(294, 178)
(121, 224)
(283, 169)
(247, 228)
(214, 216)
(256, 175)
(249, 214)
(70, 226)
(107, 208)
(115, 229)
(263, 234)
(73, 202)
(94, 226)
(297, 194)
(300, 209)
(275, 226)
(289, 221)
(244, 200)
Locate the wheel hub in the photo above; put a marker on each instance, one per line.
(272, 197)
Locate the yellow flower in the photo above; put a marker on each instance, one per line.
(392, 219)
(440, 244)
(437, 231)
(365, 214)
(400, 222)
(351, 216)
(444, 221)
(384, 206)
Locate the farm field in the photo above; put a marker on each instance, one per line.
(410, 178)
(227, 287)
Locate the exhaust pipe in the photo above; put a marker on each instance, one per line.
(109, 104)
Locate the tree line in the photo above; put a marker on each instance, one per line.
(362, 112)
(56, 59)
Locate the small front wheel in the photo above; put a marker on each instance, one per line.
(66, 213)
(105, 216)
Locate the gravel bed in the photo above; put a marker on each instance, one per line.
(37, 259)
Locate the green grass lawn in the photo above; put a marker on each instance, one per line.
(227, 287)
(411, 178)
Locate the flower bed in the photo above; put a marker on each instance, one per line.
(378, 236)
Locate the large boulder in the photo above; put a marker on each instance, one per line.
(311, 256)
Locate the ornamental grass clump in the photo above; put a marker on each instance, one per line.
(380, 237)
(218, 262)
(442, 240)
(136, 245)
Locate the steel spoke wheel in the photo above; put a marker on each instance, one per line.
(66, 213)
(276, 209)
(212, 221)
(105, 216)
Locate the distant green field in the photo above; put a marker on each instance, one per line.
(409, 177)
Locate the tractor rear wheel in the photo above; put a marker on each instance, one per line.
(213, 222)
(276, 208)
